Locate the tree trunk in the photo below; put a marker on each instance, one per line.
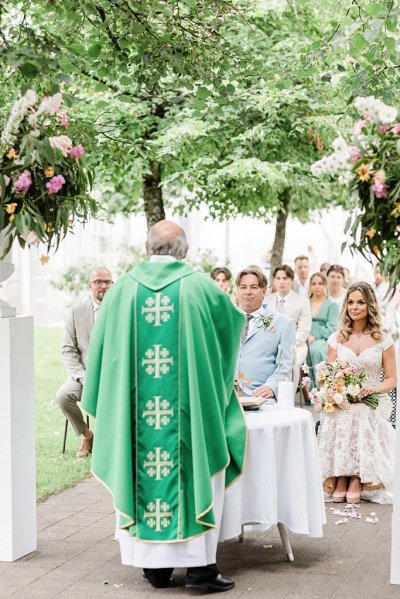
(280, 231)
(152, 190)
(152, 195)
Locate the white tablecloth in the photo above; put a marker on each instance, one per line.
(281, 482)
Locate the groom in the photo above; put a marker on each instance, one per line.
(267, 336)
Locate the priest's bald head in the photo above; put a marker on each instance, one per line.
(166, 238)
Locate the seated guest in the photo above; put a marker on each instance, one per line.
(263, 361)
(302, 271)
(347, 277)
(381, 288)
(324, 268)
(222, 276)
(78, 327)
(391, 322)
(336, 284)
(325, 316)
(296, 307)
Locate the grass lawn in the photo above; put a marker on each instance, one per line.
(55, 471)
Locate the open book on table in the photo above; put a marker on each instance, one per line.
(252, 402)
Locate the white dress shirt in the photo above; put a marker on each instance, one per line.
(96, 307)
(302, 288)
(162, 258)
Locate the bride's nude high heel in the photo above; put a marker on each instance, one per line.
(353, 497)
(340, 496)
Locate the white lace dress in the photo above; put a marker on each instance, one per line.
(360, 441)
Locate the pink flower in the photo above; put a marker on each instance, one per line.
(76, 152)
(31, 238)
(23, 183)
(358, 127)
(55, 184)
(382, 129)
(380, 177)
(396, 129)
(354, 153)
(62, 143)
(380, 190)
(64, 120)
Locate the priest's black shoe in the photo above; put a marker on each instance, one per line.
(159, 578)
(209, 579)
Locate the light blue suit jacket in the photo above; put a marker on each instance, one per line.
(258, 356)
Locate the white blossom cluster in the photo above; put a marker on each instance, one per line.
(16, 117)
(375, 110)
(341, 161)
(337, 162)
(49, 105)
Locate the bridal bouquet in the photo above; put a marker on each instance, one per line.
(339, 383)
(43, 183)
(369, 165)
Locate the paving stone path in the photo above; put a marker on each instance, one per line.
(78, 558)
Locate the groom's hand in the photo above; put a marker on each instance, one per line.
(263, 391)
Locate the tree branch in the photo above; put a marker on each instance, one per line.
(113, 38)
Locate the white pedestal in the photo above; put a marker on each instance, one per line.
(395, 553)
(18, 535)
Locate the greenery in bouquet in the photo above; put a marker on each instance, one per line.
(43, 182)
(370, 167)
(339, 384)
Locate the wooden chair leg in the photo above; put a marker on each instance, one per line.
(65, 435)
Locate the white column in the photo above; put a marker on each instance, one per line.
(395, 554)
(18, 535)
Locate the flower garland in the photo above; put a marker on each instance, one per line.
(370, 168)
(43, 182)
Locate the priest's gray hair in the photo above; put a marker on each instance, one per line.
(159, 246)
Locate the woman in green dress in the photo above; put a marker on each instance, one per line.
(325, 316)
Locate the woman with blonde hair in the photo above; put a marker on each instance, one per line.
(357, 442)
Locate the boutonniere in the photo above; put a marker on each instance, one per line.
(266, 323)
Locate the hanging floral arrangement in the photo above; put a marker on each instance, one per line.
(370, 167)
(43, 181)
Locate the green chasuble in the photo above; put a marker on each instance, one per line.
(159, 381)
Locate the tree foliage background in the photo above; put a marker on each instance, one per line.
(222, 102)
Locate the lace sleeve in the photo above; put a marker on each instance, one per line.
(332, 341)
(387, 342)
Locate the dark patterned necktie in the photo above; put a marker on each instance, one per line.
(246, 327)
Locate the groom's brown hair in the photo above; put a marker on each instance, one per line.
(257, 272)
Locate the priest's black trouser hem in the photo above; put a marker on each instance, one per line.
(160, 577)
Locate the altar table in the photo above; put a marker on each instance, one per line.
(281, 482)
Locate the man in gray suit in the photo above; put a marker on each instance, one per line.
(78, 327)
(268, 339)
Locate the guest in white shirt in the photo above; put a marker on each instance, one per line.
(222, 276)
(302, 271)
(324, 268)
(381, 288)
(336, 281)
(294, 305)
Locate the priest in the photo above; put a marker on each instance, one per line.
(170, 433)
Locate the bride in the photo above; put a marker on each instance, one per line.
(357, 443)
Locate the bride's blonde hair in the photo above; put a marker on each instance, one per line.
(373, 316)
